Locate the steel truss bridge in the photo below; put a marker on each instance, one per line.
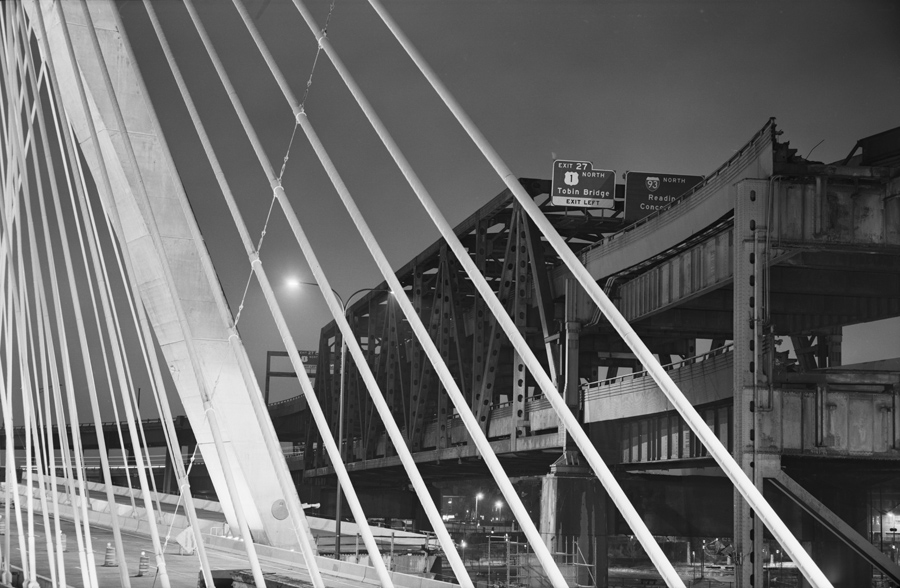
(495, 352)
(830, 260)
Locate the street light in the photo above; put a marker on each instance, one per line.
(499, 506)
(702, 558)
(345, 306)
(478, 497)
(463, 545)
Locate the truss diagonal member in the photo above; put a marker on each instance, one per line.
(480, 439)
(805, 500)
(728, 464)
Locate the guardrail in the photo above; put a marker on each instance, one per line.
(593, 390)
(285, 401)
(93, 462)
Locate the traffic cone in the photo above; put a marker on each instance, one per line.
(143, 564)
(110, 561)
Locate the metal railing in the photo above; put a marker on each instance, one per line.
(93, 462)
(593, 390)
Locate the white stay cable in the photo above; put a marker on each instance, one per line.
(139, 314)
(544, 381)
(100, 277)
(80, 505)
(384, 410)
(6, 180)
(38, 361)
(298, 520)
(38, 364)
(274, 449)
(17, 286)
(65, 458)
(315, 409)
(79, 319)
(12, 483)
(144, 205)
(300, 526)
(6, 308)
(122, 365)
(10, 493)
(469, 420)
(162, 403)
(91, 237)
(719, 452)
(14, 316)
(126, 382)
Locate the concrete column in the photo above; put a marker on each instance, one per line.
(574, 514)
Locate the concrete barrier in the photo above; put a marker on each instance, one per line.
(358, 574)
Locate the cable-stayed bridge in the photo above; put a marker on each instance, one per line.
(493, 353)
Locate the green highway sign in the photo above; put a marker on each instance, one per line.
(577, 183)
(648, 192)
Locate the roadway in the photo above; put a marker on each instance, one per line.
(167, 507)
(183, 570)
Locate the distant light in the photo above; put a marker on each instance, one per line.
(498, 504)
(479, 496)
(293, 283)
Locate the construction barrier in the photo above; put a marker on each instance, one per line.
(143, 564)
(110, 560)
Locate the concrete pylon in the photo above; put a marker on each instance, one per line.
(172, 281)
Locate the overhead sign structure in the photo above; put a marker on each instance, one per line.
(648, 192)
(310, 360)
(577, 183)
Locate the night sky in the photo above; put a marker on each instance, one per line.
(670, 87)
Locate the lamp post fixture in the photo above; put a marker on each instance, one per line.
(702, 558)
(463, 545)
(478, 497)
(345, 306)
(499, 506)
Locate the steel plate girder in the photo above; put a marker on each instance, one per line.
(833, 212)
